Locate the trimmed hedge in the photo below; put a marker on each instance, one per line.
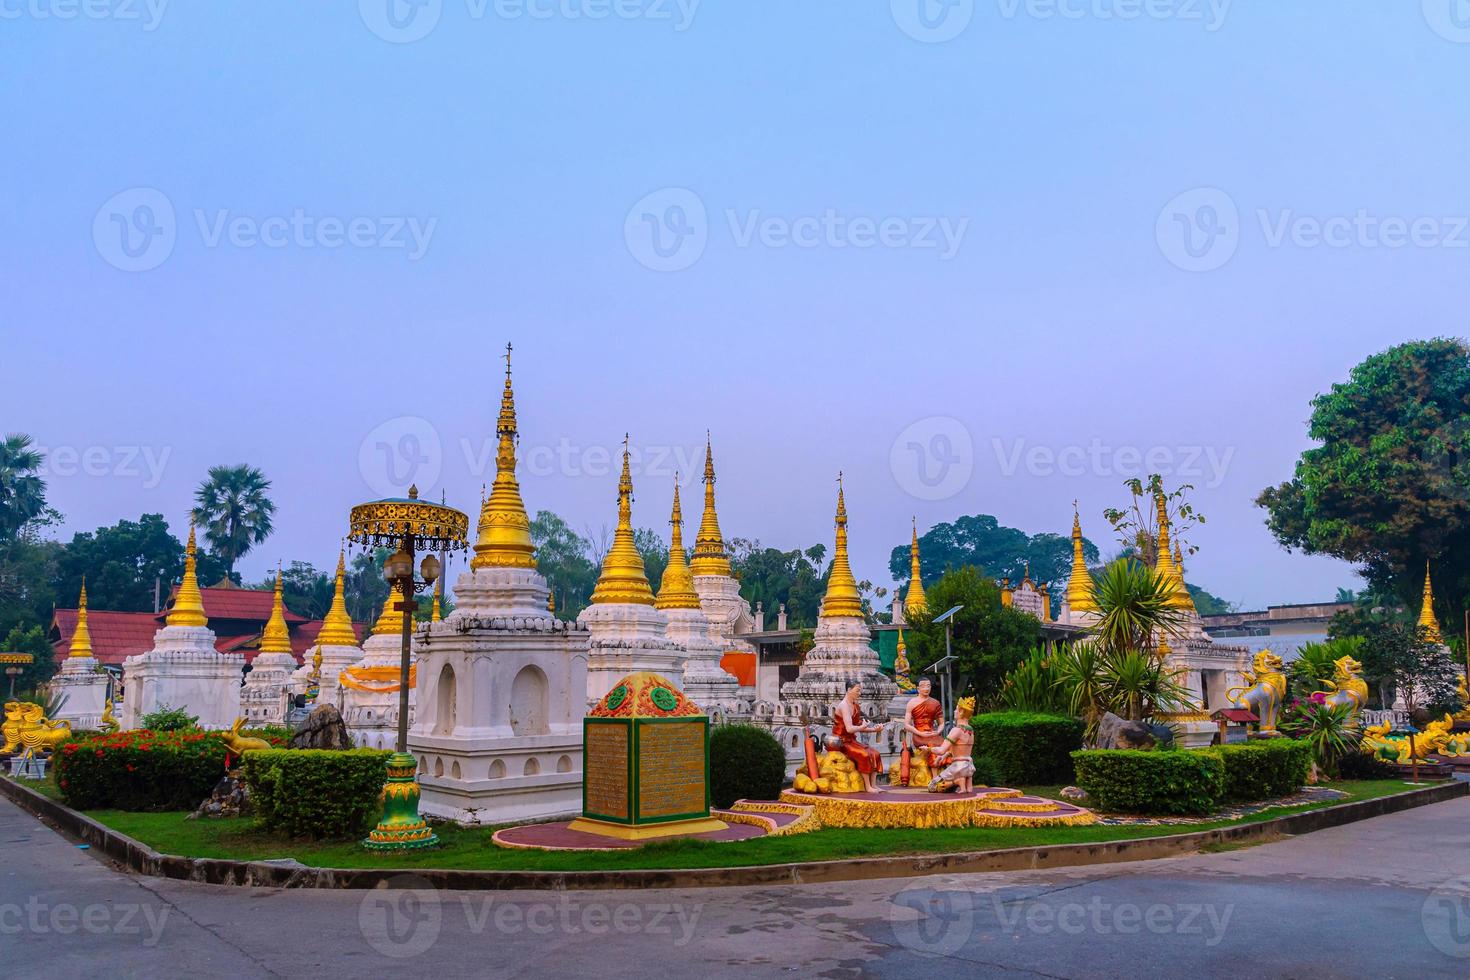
(1264, 769)
(317, 793)
(1028, 749)
(140, 770)
(1164, 783)
(745, 763)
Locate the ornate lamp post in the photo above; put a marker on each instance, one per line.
(407, 525)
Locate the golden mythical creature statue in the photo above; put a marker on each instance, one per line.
(1347, 687)
(1464, 713)
(35, 733)
(1266, 690)
(240, 744)
(108, 721)
(11, 728)
(1436, 738)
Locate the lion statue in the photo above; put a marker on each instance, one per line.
(37, 734)
(1265, 692)
(1347, 687)
(11, 729)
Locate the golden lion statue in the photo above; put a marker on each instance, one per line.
(11, 729)
(35, 733)
(1347, 687)
(1266, 690)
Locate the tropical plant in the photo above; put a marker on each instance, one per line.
(233, 509)
(167, 719)
(22, 491)
(1317, 662)
(1080, 675)
(1328, 728)
(1137, 523)
(988, 640)
(1137, 685)
(1035, 685)
(1134, 610)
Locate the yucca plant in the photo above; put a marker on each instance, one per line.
(1329, 730)
(1079, 678)
(1138, 684)
(1134, 607)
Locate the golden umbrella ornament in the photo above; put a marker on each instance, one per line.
(408, 525)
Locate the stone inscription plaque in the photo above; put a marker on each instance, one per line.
(671, 772)
(606, 774)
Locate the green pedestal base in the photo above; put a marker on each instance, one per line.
(401, 828)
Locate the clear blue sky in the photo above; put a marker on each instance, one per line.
(1061, 313)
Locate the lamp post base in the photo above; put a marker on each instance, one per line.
(401, 828)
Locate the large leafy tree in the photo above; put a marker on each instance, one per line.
(562, 558)
(772, 577)
(989, 639)
(655, 553)
(30, 640)
(124, 562)
(1388, 486)
(234, 510)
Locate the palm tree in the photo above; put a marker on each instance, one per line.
(22, 492)
(234, 511)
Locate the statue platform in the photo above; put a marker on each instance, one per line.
(918, 809)
(746, 820)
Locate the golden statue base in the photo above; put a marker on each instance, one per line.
(674, 828)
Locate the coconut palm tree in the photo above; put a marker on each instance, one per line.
(234, 511)
(22, 492)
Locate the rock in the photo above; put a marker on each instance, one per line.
(1114, 732)
(323, 729)
(1073, 793)
(230, 798)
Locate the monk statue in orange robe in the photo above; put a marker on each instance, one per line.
(923, 719)
(847, 722)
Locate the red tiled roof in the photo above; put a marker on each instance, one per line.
(249, 604)
(115, 635)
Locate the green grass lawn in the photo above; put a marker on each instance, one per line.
(472, 849)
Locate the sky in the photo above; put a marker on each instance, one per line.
(983, 256)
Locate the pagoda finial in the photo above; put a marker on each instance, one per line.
(188, 607)
(842, 598)
(676, 591)
(1165, 564)
(710, 557)
(504, 539)
(81, 637)
(435, 614)
(390, 620)
(1428, 622)
(915, 601)
(276, 638)
(1081, 589)
(623, 578)
(337, 628)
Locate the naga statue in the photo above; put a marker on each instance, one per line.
(1265, 693)
(1380, 742)
(1347, 687)
(108, 722)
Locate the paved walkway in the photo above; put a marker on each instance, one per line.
(1384, 898)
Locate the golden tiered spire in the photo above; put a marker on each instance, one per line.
(915, 601)
(276, 638)
(623, 578)
(505, 530)
(842, 598)
(337, 628)
(676, 591)
(435, 615)
(188, 607)
(1081, 589)
(710, 557)
(1165, 565)
(390, 620)
(1428, 622)
(81, 637)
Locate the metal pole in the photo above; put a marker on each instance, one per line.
(948, 672)
(407, 606)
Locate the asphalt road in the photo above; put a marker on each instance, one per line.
(1384, 898)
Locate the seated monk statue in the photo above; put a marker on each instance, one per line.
(847, 722)
(960, 742)
(923, 719)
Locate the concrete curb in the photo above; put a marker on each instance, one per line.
(143, 859)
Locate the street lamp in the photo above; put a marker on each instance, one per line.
(947, 618)
(406, 524)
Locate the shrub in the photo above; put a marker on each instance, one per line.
(168, 719)
(1360, 765)
(1264, 770)
(1128, 781)
(745, 763)
(139, 770)
(317, 793)
(1028, 749)
(986, 772)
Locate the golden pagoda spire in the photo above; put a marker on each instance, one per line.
(1428, 622)
(435, 615)
(505, 530)
(842, 598)
(710, 557)
(1165, 564)
(390, 620)
(676, 591)
(623, 578)
(915, 601)
(188, 607)
(81, 637)
(337, 628)
(1081, 589)
(276, 638)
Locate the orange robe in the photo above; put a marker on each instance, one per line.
(864, 757)
(927, 715)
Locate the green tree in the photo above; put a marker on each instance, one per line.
(27, 582)
(989, 639)
(1137, 523)
(364, 589)
(233, 509)
(562, 558)
(30, 640)
(655, 554)
(772, 577)
(22, 491)
(305, 591)
(122, 563)
(1388, 486)
(1209, 604)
